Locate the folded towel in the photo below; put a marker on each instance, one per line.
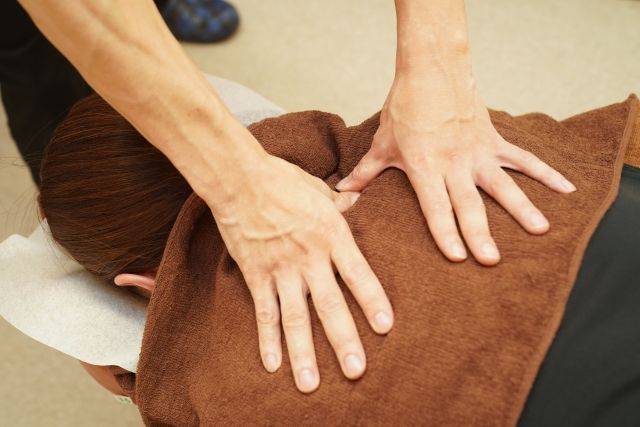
(468, 340)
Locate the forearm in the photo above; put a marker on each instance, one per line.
(433, 49)
(127, 54)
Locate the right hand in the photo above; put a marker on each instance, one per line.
(284, 229)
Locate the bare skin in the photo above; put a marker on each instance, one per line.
(282, 226)
(435, 128)
(262, 204)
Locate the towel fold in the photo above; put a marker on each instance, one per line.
(468, 340)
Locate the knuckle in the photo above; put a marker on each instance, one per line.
(452, 156)
(381, 148)
(477, 238)
(529, 160)
(419, 161)
(302, 357)
(474, 224)
(281, 266)
(519, 200)
(505, 149)
(475, 231)
(329, 304)
(356, 275)
(334, 228)
(495, 185)
(551, 175)
(344, 342)
(253, 276)
(448, 236)
(294, 318)
(360, 171)
(468, 198)
(267, 316)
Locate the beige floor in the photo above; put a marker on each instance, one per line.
(560, 57)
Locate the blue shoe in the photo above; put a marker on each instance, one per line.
(200, 21)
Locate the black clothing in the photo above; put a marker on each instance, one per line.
(591, 374)
(37, 83)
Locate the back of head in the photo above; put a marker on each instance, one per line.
(109, 196)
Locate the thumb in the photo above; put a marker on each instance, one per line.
(343, 201)
(369, 167)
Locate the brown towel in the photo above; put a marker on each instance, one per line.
(468, 340)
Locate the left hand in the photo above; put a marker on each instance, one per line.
(443, 139)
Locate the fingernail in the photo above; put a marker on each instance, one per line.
(383, 320)
(538, 221)
(271, 362)
(353, 365)
(490, 251)
(354, 197)
(343, 183)
(307, 380)
(458, 251)
(566, 185)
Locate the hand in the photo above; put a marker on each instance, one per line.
(447, 148)
(284, 231)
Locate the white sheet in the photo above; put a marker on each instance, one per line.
(51, 298)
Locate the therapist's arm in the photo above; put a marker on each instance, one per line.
(282, 226)
(436, 128)
(127, 54)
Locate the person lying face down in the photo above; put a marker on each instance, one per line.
(467, 337)
(133, 253)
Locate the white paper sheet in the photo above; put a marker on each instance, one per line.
(51, 298)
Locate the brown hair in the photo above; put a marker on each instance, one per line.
(109, 196)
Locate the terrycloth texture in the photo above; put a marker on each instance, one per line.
(632, 154)
(468, 340)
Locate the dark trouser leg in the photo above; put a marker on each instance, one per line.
(38, 84)
(591, 375)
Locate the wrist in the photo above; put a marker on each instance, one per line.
(446, 56)
(433, 95)
(223, 165)
(440, 76)
(189, 123)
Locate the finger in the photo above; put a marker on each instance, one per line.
(268, 320)
(317, 184)
(336, 319)
(297, 331)
(499, 185)
(370, 166)
(342, 200)
(362, 281)
(436, 207)
(523, 161)
(472, 218)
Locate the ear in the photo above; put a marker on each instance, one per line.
(145, 281)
